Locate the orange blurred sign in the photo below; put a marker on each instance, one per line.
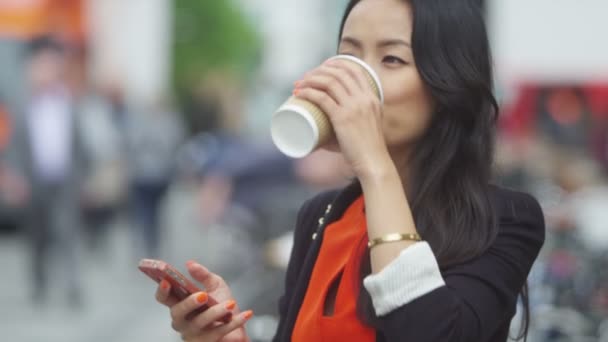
(24, 19)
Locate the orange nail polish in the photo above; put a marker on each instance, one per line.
(190, 262)
(164, 284)
(231, 305)
(202, 298)
(248, 314)
(296, 92)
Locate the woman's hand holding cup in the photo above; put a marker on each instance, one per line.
(348, 95)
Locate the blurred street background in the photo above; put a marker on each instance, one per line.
(140, 128)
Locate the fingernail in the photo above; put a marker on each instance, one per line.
(297, 84)
(190, 262)
(231, 305)
(164, 284)
(247, 314)
(202, 298)
(296, 91)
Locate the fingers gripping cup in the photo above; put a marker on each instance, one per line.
(299, 127)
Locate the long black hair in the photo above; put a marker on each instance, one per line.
(453, 161)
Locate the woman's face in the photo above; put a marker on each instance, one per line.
(379, 32)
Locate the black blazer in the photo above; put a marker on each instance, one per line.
(480, 296)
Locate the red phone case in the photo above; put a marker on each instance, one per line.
(181, 286)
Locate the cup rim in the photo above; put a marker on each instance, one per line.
(311, 123)
(368, 68)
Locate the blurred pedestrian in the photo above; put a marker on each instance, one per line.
(46, 150)
(152, 139)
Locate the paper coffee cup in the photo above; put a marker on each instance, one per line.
(299, 127)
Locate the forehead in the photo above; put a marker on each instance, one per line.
(378, 19)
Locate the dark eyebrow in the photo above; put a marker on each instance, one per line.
(383, 43)
(351, 41)
(391, 42)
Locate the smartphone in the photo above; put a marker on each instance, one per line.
(181, 286)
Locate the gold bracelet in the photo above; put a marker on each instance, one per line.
(393, 238)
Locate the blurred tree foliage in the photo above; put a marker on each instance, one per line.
(210, 35)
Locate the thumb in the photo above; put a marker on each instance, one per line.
(200, 273)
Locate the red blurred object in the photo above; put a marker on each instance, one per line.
(597, 94)
(5, 127)
(520, 117)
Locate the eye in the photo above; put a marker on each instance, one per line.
(392, 60)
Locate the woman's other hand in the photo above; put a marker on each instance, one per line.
(206, 326)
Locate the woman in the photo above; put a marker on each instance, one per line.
(423, 165)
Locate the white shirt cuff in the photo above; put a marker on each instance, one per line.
(411, 275)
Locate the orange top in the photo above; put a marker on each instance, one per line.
(344, 242)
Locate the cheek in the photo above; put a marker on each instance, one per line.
(407, 110)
